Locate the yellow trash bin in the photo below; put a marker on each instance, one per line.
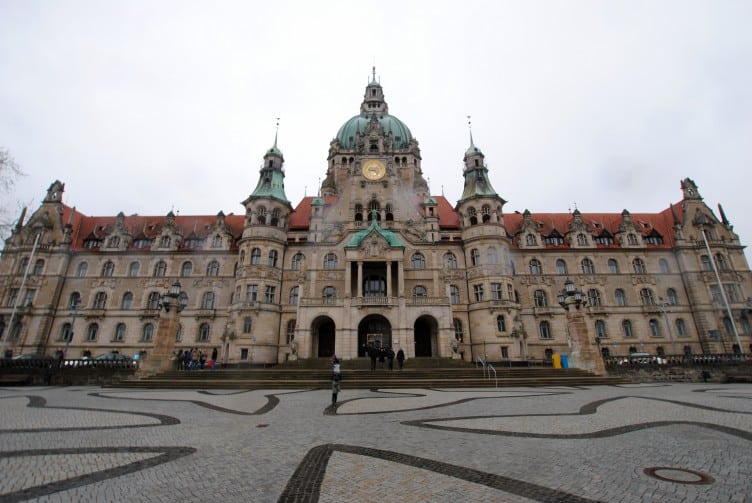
(557, 361)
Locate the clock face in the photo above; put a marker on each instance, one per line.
(374, 169)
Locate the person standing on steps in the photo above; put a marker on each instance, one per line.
(400, 358)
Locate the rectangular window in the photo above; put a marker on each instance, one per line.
(29, 297)
(496, 291)
(269, 294)
(251, 293)
(731, 293)
(715, 292)
(504, 352)
(478, 293)
(243, 353)
(247, 324)
(12, 298)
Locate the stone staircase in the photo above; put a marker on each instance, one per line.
(356, 374)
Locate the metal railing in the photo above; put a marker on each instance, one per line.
(487, 369)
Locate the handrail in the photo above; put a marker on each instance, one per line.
(496, 377)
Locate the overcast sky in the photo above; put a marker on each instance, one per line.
(150, 106)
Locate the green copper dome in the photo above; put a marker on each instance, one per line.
(401, 136)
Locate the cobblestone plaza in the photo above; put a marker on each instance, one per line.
(650, 443)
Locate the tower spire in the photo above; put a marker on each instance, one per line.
(470, 128)
(276, 132)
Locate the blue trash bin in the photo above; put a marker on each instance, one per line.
(565, 361)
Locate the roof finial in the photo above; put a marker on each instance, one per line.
(276, 131)
(470, 127)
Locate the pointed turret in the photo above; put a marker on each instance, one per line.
(373, 101)
(475, 173)
(271, 182)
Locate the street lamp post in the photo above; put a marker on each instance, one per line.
(171, 303)
(69, 337)
(662, 307)
(582, 355)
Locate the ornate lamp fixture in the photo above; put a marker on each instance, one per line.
(174, 297)
(571, 296)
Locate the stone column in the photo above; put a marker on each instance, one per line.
(584, 354)
(160, 359)
(360, 279)
(388, 278)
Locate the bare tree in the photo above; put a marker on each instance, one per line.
(10, 172)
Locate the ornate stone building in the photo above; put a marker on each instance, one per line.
(376, 259)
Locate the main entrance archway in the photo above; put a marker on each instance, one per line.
(374, 330)
(425, 330)
(323, 330)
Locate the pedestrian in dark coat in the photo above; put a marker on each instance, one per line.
(372, 355)
(390, 358)
(336, 378)
(400, 358)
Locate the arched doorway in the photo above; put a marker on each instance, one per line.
(425, 332)
(323, 331)
(374, 330)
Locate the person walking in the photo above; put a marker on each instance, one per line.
(336, 386)
(214, 355)
(372, 355)
(390, 358)
(400, 358)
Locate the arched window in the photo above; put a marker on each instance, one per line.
(594, 297)
(100, 299)
(272, 258)
(473, 216)
(681, 328)
(600, 329)
(663, 266)
(207, 301)
(108, 268)
(450, 260)
(66, 333)
(133, 269)
(203, 332)
(626, 327)
(38, 267)
(329, 294)
(620, 297)
(545, 329)
(186, 269)
(153, 301)
(706, 265)
(297, 261)
(613, 266)
(561, 267)
(535, 267)
(647, 297)
(290, 331)
(261, 215)
(639, 266)
(581, 240)
(330, 261)
(458, 333)
(74, 301)
(587, 266)
(275, 217)
(119, 332)
(474, 257)
(454, 294)
(501, 323)
(539, 296)
(294, 295)
(127, 301)
(720, 262)
(160, 269)
(213, 268)
(419, 291)
(83, 267)
(418, 261)
(655, 329)
(92, 331)
(671, 297)
(256, 256)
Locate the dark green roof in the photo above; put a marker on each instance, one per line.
(390, 237)
(401, 135)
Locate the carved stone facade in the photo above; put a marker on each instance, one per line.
(376, 259)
